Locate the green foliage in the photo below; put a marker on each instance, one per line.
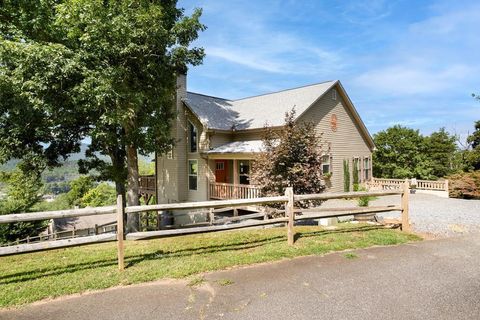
(292, 158)
(23, 191)
(404, 153)
(441, 148)
(346, 175)
(474, 138)
(364, 201)
(59, 203)
(472, 156)
(355, 174)
(103, 69)
(78, 188)
(351, 255)
(146, 168)
(102, 195)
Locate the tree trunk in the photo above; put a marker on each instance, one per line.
(133, 199)
(118, 163)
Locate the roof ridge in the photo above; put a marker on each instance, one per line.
(208, 96)
(274, 92)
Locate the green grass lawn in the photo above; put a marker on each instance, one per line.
(35, 276)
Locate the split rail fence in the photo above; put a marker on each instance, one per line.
(291, 214)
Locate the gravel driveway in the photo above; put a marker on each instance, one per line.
(434, 215)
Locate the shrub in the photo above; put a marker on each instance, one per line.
(465, 185)
(292, 158)
(346, 176)
(364, 201)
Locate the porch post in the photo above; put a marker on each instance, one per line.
(235, 177)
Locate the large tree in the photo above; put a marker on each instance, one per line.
(472, 155)
(440, 150)
(71, 69)
(401, 153)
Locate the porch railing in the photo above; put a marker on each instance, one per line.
(146, 184)
(233, 191)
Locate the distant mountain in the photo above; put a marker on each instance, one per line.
(74, 157)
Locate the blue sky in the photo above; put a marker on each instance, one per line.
(414, 63)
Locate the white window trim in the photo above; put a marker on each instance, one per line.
(192, 175)
(170, 154)
(329, 163)
(369, 168)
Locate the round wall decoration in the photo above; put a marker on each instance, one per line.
(333, 122)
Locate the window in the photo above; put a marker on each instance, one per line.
(192, 174)
(366, 168)
(220, 166)
(170, 154)
(193, 137)
(334, 94)
(244, 172)
(325, 164)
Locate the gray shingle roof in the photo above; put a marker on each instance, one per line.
(254, 112)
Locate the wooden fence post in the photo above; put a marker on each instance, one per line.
(211, 216)
(120, 233)
(405, 196)
(446, 186)
(290, 214)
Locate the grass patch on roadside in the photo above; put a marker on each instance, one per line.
(30, 277)
(351, 255)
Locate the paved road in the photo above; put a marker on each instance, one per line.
(437, 279)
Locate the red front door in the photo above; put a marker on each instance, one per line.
(221, 171)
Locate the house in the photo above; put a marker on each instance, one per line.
(217, 140)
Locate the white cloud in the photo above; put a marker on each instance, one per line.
(438, 55)
(412, 79)
(366, 12)
(247, 34)
(246, 59)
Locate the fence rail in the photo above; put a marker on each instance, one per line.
(290, 215)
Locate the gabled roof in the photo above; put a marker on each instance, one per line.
(254, 112)
(267, 109)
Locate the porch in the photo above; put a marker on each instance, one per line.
(231, 180)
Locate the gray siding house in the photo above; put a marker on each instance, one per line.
(217, 140)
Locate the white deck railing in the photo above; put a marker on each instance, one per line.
(387, 184)
(233, 191)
